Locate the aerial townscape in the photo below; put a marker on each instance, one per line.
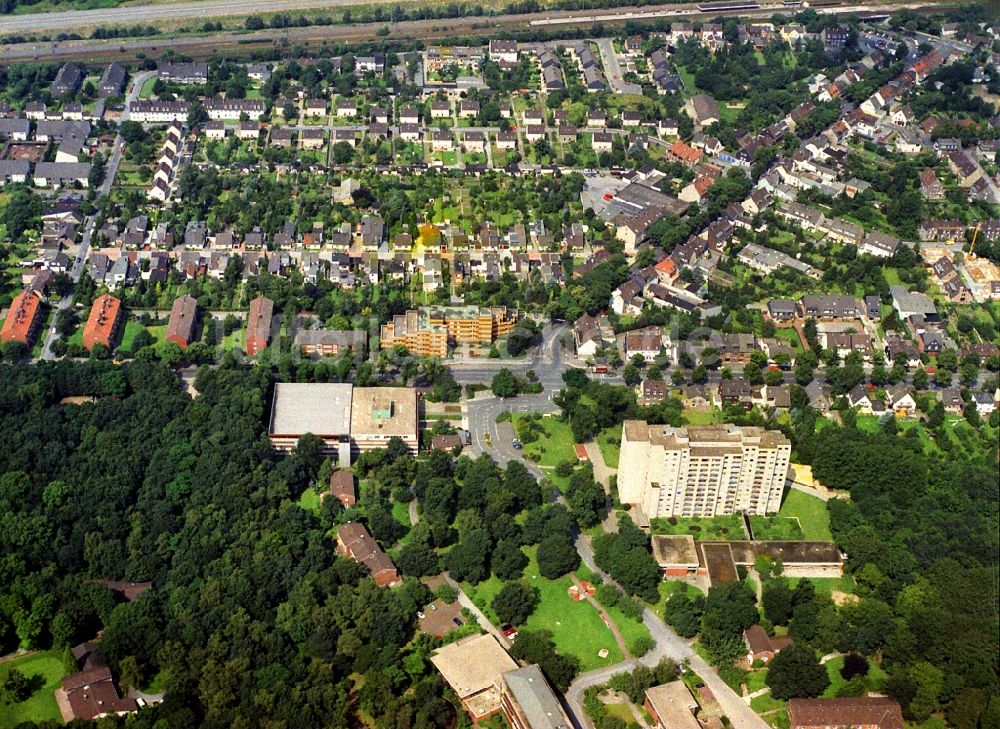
(532, 365)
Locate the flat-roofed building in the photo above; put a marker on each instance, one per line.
(323, 409)
(680, 554)
(676, 554)
(702, 470)
(330, 342)
(347, 419)
(672, 706)
(429, 330)
(259, 325)
(183, 321)
(102, 325)
(379, 414)
(23, 318)
(473, 667)
(528, 701)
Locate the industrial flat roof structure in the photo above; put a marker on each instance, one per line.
(384, 412)
(473, 667)
(323, 409)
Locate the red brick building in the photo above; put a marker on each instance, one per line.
(183, 320)
(259, 325)
(849, 712)
(342, 488)
(91, 694)
(102, 325)
(354, 541)
(23, 318)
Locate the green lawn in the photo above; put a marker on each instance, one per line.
(876, 676)
(234, 340)
(310, 500)
(576, 627)
(708, 528)
(147, 88)
(41, 705)
(811, 512)
(631, 629)
(790, 335)
(621, 712)
(891, 276)
(132, 330)
(698, 417)
(554, 447)
(778, 528)
(828, 585)
(610, 442)
(158, 332)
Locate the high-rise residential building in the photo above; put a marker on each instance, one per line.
(702, 470)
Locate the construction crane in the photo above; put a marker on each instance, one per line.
(975, 235)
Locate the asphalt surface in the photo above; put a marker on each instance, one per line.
(668, 645)
(549, 364)
(83, 252)
(613, 69)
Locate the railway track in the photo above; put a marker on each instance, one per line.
(203, 47)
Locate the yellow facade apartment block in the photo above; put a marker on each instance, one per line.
(428, 331)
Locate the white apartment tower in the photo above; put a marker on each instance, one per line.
(702, 470)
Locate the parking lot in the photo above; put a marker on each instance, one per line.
(439, 618)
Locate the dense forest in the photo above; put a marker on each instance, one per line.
(252, 619)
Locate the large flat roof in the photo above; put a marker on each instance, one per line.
(675, 550)
(473, 664)
(539, 705)
(384, 411)
(323, 409)
(674, 705)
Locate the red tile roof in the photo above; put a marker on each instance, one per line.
(259, 324)
(22, 318)
(92, 693)
(864, 711)
(183, 316)
(685, 153)
(104, 317)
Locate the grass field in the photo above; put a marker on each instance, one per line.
(777, 528)
(41, 705)
(719, 527)
(554, 447)
(610, 444)
(876, 676)
(699, 417)
(132, 330)
(621, 712)
(828, 585)
(310, 500)
(576, 627)
(811, 512)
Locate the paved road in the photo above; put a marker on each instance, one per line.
(88, 232)
(548, 363)
(484, 622)
(668, 645)
(613, 69)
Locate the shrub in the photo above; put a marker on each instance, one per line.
(641, 646)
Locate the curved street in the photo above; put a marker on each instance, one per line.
(549, 365)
